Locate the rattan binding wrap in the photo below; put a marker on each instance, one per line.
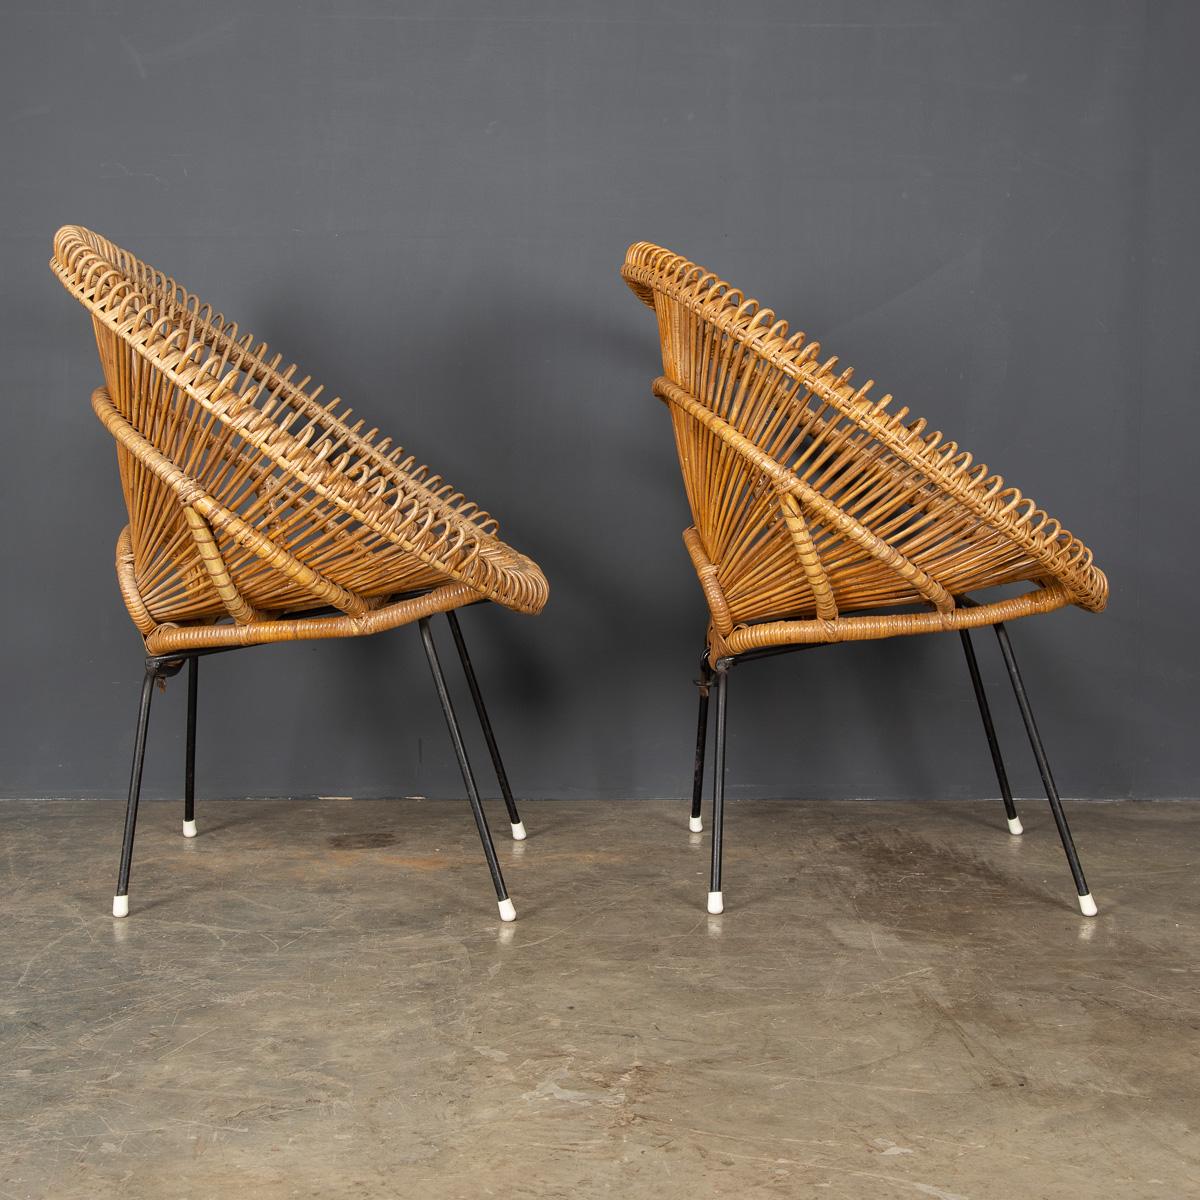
(249, 499)
(817, 508)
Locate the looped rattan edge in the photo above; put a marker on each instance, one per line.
(437, 527)
(651, 270)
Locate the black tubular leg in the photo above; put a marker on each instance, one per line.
(704, 683)
(189, 772)
(514, 816)
(716, 899)
(460, 749)
(1086, 903)
(985, 715)
(121, 899)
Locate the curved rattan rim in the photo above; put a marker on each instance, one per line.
(651, 269)
(424, 516)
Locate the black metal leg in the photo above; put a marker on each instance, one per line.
(507, 911)
(189, 774)
(716, 899)
(121, 899)
(514, 817)
(985, 715)
(696, 825)
(1086, 904)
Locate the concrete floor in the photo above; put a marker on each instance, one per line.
(315, 999)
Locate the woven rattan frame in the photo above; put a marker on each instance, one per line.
(816, 509)
(249, 499)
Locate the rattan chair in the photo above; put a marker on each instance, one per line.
(258, 513)
(821, 516)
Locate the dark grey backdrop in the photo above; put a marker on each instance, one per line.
(987, 206)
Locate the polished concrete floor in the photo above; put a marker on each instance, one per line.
(315, 999)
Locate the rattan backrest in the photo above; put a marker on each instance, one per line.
(787, 465)
(303, 506)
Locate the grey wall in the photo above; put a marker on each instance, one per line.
(988, 206)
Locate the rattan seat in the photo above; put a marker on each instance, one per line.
(250, 499)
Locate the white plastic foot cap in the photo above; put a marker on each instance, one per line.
(120, 906)
(696, 824)
(1015, 827)
(189, 829)
(518, 828)
(716, 902)
(508, 911)
(1087, 905)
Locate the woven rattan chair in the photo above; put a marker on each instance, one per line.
(822, 517)
(259, 514)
